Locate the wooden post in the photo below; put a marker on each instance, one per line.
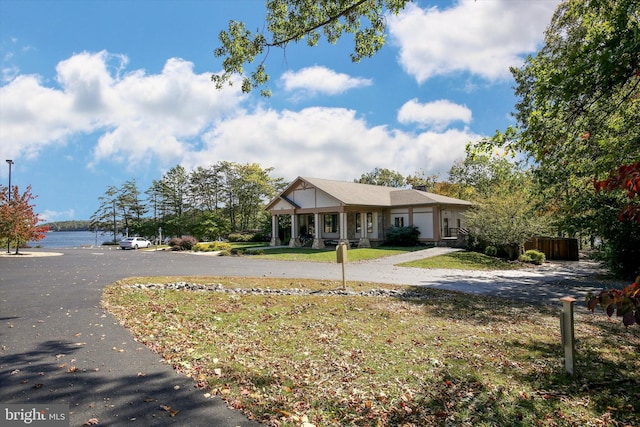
(566, 331)
(341, 257)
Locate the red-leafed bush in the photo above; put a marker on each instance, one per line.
(624, 303)
(627, 179)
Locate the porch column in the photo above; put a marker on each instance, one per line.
(343, 227)
(275, 232)
(294, 242)
(363, 242)
(318, 243)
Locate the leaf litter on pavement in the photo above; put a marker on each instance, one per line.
(442, 359)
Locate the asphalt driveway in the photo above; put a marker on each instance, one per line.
(58, 346)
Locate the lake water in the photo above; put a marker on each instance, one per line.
(66, 239)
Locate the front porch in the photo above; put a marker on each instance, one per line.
(318, 230)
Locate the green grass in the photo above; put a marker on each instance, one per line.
(445, 359)
(329, 255)
(464, 261)
(248, 245)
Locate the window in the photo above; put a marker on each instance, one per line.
(358, 223)
(331, 223)
(398, 221)
(369, 222)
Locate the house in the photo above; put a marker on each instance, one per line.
(321, 211)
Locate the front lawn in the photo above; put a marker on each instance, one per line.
(463, 260)
(329, 255)
(435, 359)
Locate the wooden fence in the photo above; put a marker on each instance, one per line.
(556, 248)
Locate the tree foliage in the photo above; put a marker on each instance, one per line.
(624, 303)
(507, 212)
(382, 176)
(18, 222)
(578, 112)
(208, 202)
(627, 180)
(290, 21)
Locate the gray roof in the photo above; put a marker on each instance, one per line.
(353, 193)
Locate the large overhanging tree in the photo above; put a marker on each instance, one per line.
(289, 21)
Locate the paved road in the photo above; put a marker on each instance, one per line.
(59, 346)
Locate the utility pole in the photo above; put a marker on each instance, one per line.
(10, 162)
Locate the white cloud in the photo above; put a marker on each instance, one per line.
(437, 114)
(177, 116)
(321, 80)
(483, 38)
(139, 116)
(327, 142)
(52, 216)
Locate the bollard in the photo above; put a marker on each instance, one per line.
(341, 257)
(566, 331)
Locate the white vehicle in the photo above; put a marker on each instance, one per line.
(134, 243)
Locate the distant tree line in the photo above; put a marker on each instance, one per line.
(207, 203)
(70, 225)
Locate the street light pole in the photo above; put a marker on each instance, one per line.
(10, 162)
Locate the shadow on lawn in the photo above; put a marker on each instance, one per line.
(606, 379)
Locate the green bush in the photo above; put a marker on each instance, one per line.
(242, 237)
(537, 257)
(532, 256)
(491, 251)
(525, 258)
(402, 236)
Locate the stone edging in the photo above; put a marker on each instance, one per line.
(184, 286)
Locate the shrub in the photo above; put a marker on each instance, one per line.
(241, 237)
(491, 251)
(402, 236)
(525, 258)
(174, 244)
(537, 257)
(187, 243)
(625, 303)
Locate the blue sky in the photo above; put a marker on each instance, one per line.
(98, 92)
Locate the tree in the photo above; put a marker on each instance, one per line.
(421, 181)
(174, 197)
(107, 216)
(18, 222)
(382, 176)
(578, 111)
(480, 174)
(290, 21)
(508, 211)
(507, 220)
